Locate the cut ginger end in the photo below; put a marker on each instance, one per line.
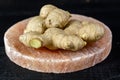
(36, 43)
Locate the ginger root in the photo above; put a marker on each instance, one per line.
(54, 29)
(53, 38)
(61, 40)
(46, 9)
(68, 42)
(57, 18)
(88, 31)
(35, 24)
(91, 31)
(54, 17)
(73, 27)
(31, 39)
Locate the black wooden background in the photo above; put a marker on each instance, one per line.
(107, 11)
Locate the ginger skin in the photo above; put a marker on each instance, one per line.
(53, 38)
(88, 31)
(35, 24)
(54, 17)
(73, 27)
(61, 40)
(91, 31)
(57, 18)
(68, 42)
(45, 10)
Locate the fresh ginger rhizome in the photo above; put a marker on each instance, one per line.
(54, 29)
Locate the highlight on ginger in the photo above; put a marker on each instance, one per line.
(54, 29)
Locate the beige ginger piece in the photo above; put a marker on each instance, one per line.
(59, 39)
(57, 18)
(73, 37)
(35, 24)
(88, 31)
(31, 39)
(47, 37)
(91, 31)
(73, 27)
(46, 9)
(68, 42)
(53, 38)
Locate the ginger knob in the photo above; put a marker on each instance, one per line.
(91, 31)
(57, 18)
(46, 9)
(88, 31)
(31, 39)
(47, 37)
(59, 39)
(35, 24)
(73, 27)
(68, 42)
